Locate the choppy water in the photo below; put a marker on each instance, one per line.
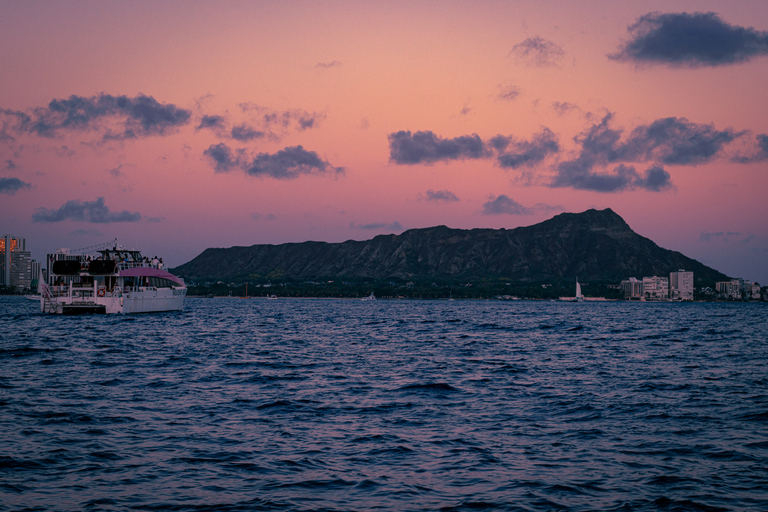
(386, 405)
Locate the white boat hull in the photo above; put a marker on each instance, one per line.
(142, 301)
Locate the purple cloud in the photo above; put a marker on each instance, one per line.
(95, 212)
(691, 40)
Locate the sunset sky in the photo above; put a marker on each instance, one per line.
(178, 126)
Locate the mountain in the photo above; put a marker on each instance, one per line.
(592, 245)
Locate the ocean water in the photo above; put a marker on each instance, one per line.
(348, 405)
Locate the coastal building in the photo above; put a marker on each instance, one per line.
(656, 288)
(21, 270)
(681, 285)
(9, 245)
(730, 289)
(34, 270)
(632, 289)
(750, 290)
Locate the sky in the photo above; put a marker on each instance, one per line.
(178, 126)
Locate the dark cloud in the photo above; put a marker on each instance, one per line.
(244, 133)
(299, 119)
(563, 107)
(758, 154)
(222, 157)
(441, 195)
(673, 141)
(288, 163)
(504, 205)
(12, 185)
(258, 216)
(328, 65)
(509, 93)
(156, 220)
(655, 179)
(538, 52)
(117, 171)
(576, 175)
(86, 211)
(720, 235)
(395, 226)
(692, 40)
(515, 153)
(140, 116)
(211, 123)
(426, 147)
(10, 164)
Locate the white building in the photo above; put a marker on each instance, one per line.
(681, 285)
(632, 288)
(656, 288)
(729, 289)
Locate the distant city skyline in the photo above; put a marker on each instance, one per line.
(175, 127)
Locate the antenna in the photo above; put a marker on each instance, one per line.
(95, 248)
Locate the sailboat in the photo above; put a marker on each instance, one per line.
(579, 296)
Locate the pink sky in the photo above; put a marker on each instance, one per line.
(177, 126)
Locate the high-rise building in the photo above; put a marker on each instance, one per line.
(632, 288)
(730, 289)
(656, 288)
(21, 270)
(9, 244)
(681, 285)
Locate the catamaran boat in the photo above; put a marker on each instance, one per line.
(115, 281)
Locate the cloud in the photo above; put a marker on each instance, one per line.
(258, 216)
(426, 147)
(504, 205)
(287, 164)
(718, 236)
(86, 211)
(655, 179)
(563, 107)
(575, 175)
(12, 185)
(296, 118)
(221, 156)
(328, 65)
(140, 116)
(441, 195)
(244, 133)
(508, 93)
(395, 226)
(515, 153)
(211, 122)
(117, 171)
(673, 141)
(758, 154)
(9, 165)
(691, 40)
(538, 52)
(156, 220)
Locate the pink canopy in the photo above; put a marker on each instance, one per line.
(150, 272)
